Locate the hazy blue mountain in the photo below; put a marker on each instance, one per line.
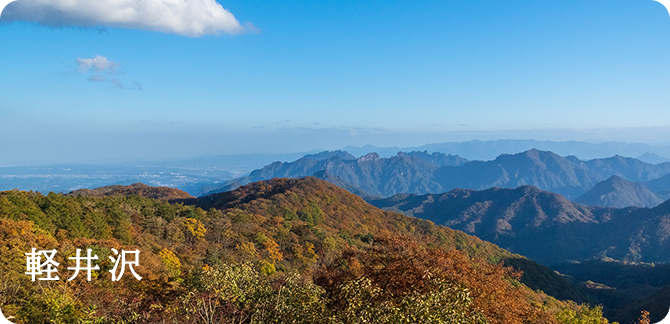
(545, 226)
(382, 151)
(564, 175)
(376, 176)
(567, 176)
(652, 158)
(628, 168)
(618, 192)
(489, 150)
(371, 173)
(438, 158)
(660, 186)
(329, 154)
(421, 172)
(324, 175)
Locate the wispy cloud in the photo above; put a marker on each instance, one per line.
(100, 64)
(194, 18)
(250, 28)
(97, 64)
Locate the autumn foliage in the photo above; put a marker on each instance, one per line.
(399, 266)
(278, 251)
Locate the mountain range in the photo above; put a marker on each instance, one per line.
(544, 226)
(421, 173)
(489, 150)
(199, 175)
(376, 176)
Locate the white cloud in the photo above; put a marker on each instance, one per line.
(97, 64)
(193, 18)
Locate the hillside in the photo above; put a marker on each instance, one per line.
(618, 192)
(624, 287)
(267, 235)
(545, 226)
(140, 189)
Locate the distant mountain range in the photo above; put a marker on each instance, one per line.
(652, 158)
(200, 175)
(373, 175)
(545, 226)
(489, 150)
(421, 172)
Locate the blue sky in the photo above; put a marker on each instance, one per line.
(304, 75)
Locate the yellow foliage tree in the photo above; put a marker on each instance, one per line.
(171, 262)
(272, 248)
(195, 227)
(247, 249)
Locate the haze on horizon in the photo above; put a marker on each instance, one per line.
(293, 76)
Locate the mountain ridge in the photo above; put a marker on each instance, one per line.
(544, 226)
(618, 192)
(422, 173)
(490, 149)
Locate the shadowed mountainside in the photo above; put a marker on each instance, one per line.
(545, 226)
(623, 287)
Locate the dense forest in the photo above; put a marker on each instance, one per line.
(276, 251)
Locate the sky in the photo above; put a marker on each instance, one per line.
(123, 80)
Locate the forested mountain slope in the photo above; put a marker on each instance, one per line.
(545, 226)
(139, 189)
(284, 250)
(624, 287)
